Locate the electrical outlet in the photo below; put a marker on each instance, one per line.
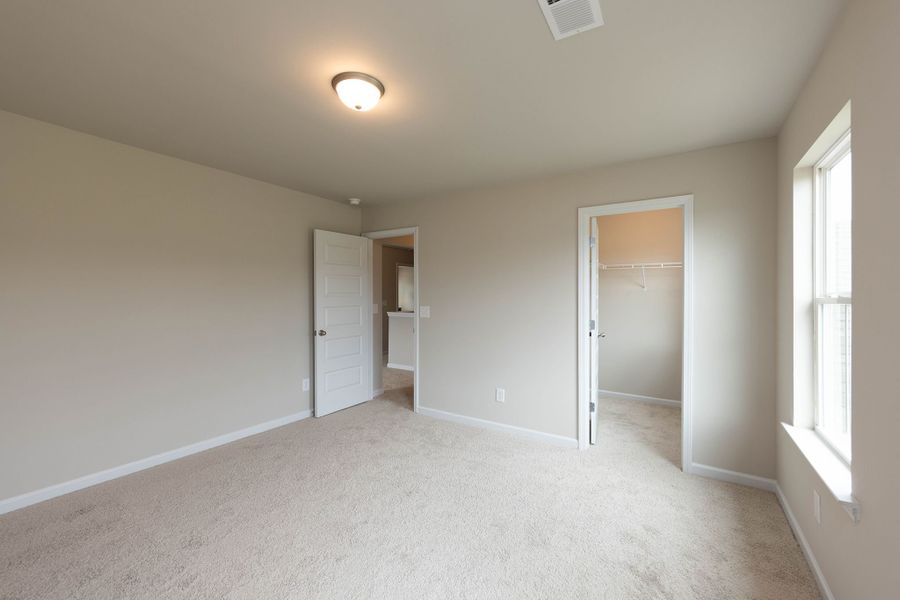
(424, 312)
(817, 507)
(500, 395)
(306, 384)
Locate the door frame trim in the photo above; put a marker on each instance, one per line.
(389, 233)
(685, 202)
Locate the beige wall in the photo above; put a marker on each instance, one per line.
(641, 353)
(400, 241)
(498, 268)
(859, 63)
(146, 303)
(650, 236)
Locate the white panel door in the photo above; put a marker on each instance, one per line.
(342, 321)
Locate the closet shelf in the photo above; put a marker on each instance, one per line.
(655, 265)
(643, 267)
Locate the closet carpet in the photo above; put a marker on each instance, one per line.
(378, 502)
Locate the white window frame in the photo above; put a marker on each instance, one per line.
(841, 447)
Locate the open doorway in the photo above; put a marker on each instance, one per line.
(395, 316)
(634, 324)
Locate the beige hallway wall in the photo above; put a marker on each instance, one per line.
(498, 268)
(859, 64)
(390, 258)
(146, 302)
(379, 323)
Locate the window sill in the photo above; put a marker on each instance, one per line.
(830, 469)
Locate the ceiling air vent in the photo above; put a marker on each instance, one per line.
(568, 17)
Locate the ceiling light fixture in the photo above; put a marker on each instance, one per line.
(358, 91)
(355, 201)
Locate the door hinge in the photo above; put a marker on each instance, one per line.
(593, 324)
(593, 241)
(593, 406)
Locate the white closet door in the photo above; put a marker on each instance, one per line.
(594, 359)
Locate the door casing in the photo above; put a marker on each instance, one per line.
(585, 214)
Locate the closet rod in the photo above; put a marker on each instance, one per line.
(643, 267)
(657, 265)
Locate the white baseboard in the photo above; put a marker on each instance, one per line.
(753, 481)
(804, 545)
(391, 365)
(638, 397)
(59, 489)
(551, 438)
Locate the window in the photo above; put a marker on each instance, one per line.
(833, 322)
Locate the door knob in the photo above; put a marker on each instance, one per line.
(322, 332)
(602, 334)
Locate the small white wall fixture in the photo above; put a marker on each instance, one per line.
(390, 233)
(585, 214)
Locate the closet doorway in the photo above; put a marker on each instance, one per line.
(634, 323)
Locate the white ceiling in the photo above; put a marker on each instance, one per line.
(477, 92)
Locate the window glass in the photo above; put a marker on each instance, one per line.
(838, 231)
(833, 307)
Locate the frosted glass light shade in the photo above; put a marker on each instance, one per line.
(358, 91)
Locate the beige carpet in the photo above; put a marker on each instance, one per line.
(377, 502)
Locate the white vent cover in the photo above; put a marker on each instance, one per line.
(568, 17)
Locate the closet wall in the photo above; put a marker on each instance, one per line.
(641, 311)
